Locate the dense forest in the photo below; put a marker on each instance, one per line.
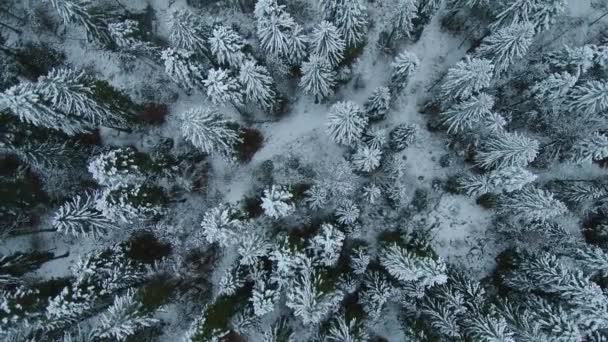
(304, 170)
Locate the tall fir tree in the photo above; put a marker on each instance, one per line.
(469, 113)
(74, 11)
(209, 131)
(506, 45)
(327, 43)
(258, 84)
(222, 88)
(346, 123)
(467, 78)
(318, 78)
(182, 67)
(226, 46)
(507, 149)
(531, 204)
(188, 32)
(403, 68)
(351, 21)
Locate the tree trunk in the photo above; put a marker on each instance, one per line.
(598, 19)
(16, 30)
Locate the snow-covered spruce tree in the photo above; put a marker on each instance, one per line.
(188, 32)
(376, 292)
(122, 319)
(346, 123)
(307, 299)
(327, 43)
(298, 46)
(119, 166)
(129, 40)
(372, 193)
(403, 68)
(402, 22)
(277, 202)
(378, 104)
(220, 225)
(506, 45)
(531, 204)
(506, 179)
(467, 78)
(351, 21)
(427, 8)
(403, 136)
(593, 148)
(588, 98)
(553, 90)
(467, 114)
(347, 212)
(274, 27)
(318, 78)
(342, 330)
(253, 246)
(258, 84)
(376, 138)
(487, 328)
(222, 88)
(74, 11)
(317, 197)
(264, 297)
(594, 260)
(540, 13)
(80, 217)
(326, 245)
(132, 202)
(182, 67)
(506, 149)
(367, 159)
(405, 266)
(209, 131)
(226, 46)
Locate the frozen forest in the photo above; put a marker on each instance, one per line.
(304, 170)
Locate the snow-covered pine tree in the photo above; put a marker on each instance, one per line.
(506, 149)
(506, 45)
(326, 245)
(351, 21)
(220, 225)
(258, 84)
(226, 46)
(188, 32)
(253, 246)
(467, 78)
(327, 43)
(80, 217)
(347, 212)
(553, 90)
(531, 204)
(181, 66)
(367, 159)
(132, 202)
(264, 297)
(277, 202)
(506, 179)
(405, 266)
(75, 11)
(118, 166)
(376, 292)
(594, 260)
(376, 138)
(342, 330)
(378, 104)
(298, 46)
(540, 13)
(274, 27)
(403, 68)
(402, 23)
(593, 148)
(372, 193)
(427, 8)
(403, 136)
(318, 78)
(487, 328)
(467, 114)
(209, 131)
(346, 123)
(222, 88)
(307, 299)
(128, 37)
(123, 318)
(317, 197)
(588, 98)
